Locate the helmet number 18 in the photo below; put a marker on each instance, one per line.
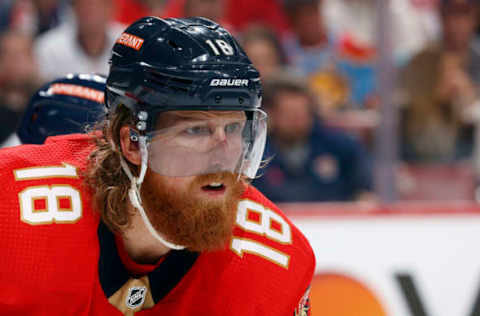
(220, 45)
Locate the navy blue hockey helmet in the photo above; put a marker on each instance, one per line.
(180, 64)
(160, 65)
(63, 106)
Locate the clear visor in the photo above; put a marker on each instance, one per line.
(191, 143)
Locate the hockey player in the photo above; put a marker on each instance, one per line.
(155, 216)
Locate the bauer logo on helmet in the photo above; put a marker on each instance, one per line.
(229, 83)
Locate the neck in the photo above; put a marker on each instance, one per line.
(141, 246)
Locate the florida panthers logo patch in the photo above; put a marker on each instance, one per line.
(136, 296)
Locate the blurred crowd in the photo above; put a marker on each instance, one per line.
(318, 60)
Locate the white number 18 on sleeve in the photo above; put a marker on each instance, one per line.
(257, 219)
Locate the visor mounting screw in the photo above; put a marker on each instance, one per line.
(142, 115)
(141, 126)
(218, 99)
(134, 138)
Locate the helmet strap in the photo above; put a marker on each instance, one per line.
(144, 155)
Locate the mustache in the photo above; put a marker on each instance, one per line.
(226, 177)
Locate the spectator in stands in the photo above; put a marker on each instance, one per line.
(440, 87)
(210, 9)
(307, 161)
(214, 10)
(18, 79)
(34, 16)
(343, 79)
(128, 11)
(308, 48)
(48, 14)
(240, 14)
(413, 24)
(264, 50)
(80, 45)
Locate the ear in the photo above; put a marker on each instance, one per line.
(130, 149)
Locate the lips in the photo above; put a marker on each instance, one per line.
(214, 187)
(216, 184)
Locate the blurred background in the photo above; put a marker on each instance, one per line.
(374, 131)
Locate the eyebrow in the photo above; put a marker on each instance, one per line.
(170, 119)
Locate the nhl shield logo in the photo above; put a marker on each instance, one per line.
(136, 296)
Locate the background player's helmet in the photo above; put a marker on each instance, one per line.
(63, 106)
(160, 65)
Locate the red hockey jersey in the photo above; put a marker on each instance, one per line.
(57, 258)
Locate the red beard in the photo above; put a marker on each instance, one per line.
(199, 224)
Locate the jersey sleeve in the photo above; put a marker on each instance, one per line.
(267, 239)
(46, 223)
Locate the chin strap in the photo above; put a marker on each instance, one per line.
(134, 192)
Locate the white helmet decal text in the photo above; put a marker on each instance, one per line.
(229, 83)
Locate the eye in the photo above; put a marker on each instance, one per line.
(233, 128)
(197, 130)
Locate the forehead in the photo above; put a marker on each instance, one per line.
(170, 118)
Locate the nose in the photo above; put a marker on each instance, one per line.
(219, 135)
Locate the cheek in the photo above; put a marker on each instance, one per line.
(170, 184)
(179, 184)
(233, 154)
(236, 147)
